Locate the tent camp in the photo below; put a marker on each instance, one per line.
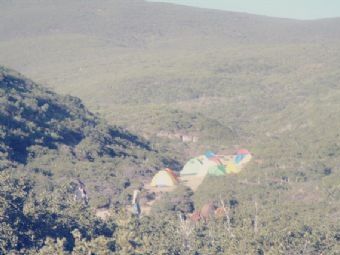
(164, 178)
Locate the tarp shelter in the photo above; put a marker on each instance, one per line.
(163, 179)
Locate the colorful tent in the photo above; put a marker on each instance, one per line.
(217, 160)
(242, 151)
(209, 154)
(242, 159)
(216, 170)
(193, 166)
(242, 156)
(238, 158)
(232, 168)
(170, 171)
(211, 166)
(203, 165)
(163, 179)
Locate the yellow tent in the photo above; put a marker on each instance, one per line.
(163, 178)
(232, 168)
(246, 159)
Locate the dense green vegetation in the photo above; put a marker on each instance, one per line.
(269, 207)
(67, 227)
(56, 139)
(172, 82)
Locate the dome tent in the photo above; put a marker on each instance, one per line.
(209, 154)
(203, 165)
(164, 179)
(238, 158)
(232, 168)
(193, 166)
(243, 151)
(242, 156)
(170, 171)
(217, 170)
(212, 166)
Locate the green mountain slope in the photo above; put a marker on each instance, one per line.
(57, 138)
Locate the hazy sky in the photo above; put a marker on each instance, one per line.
(298, 9)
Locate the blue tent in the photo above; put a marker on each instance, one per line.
(210, 154)
(238, 158)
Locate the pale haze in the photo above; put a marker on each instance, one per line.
(295, 9)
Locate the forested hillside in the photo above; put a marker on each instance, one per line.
(57, 139)
(51, 144)
(165, 83)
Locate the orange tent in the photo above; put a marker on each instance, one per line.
(170, 171)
